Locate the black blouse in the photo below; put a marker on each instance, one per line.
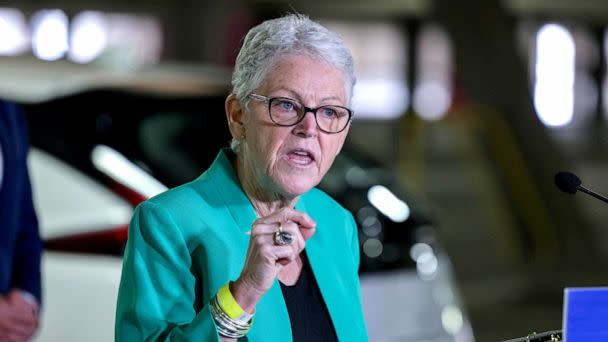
(310, 320)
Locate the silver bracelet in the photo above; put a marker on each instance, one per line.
(227, 326)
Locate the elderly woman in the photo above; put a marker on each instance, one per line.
(251, 250)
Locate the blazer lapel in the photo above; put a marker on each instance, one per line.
(333, 290)
(228, 187)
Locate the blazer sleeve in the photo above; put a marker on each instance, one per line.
(26, 269)
(156, 299)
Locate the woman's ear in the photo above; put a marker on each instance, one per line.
(234, 115)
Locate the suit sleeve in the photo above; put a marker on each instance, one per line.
(156, 300)
(26, 270)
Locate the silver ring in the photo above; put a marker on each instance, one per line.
(282, 238)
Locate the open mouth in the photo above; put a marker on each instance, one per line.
(300, 157)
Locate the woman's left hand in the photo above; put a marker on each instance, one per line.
(265, 258)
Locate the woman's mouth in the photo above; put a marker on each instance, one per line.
(300, 157)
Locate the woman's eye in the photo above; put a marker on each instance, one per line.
(286, 105)
(329, 112)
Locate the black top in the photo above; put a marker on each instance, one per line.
(308, 314)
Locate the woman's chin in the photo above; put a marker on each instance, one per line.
(296, 180)
(297, 186)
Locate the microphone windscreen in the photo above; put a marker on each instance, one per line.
(567, 182)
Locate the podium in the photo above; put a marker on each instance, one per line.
(585, 318)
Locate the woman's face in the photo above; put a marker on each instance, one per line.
(292, 160)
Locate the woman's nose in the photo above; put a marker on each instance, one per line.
(308, 125)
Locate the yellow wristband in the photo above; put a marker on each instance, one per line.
(228, 304)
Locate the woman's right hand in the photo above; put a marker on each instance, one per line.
(265, 259)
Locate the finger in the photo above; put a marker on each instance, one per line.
(32, 330)
(275, 254)
(22, 321)
(20, 329)
(260, 228)
(265, 249)
(283, 262)
(12, 337)
(271, 227)
(307, 233)
(20, 305)
(288, 214)
(5, 336)
(23, 314)
(298, 243)
(15, 325)
(284, 255)
(5, 328)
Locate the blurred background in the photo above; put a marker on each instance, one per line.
(469, 107)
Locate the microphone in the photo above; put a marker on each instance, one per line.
(568, 182)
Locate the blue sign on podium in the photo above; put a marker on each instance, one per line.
(585, 314)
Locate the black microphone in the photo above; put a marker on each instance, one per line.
(570, 183)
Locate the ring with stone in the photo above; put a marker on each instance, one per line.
(282, 238)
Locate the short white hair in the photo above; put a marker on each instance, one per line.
(292, 34)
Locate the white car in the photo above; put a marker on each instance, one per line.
(93, 160)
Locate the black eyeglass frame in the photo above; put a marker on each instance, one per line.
(268, 100)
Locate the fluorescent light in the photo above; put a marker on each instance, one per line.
(554, 85)
(132, 40)
(380, 98)
(426, 265)
(451, 319)
(432, 96)
(14, 32)
(419, 249)
(121, 169)
(49, 34)
(426, 261)
(89, 36)
(388, 204)
(432, 100)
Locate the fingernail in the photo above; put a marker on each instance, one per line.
(248, 232)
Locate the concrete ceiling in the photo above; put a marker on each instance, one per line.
(592, 10)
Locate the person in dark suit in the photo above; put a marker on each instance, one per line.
(20, 245)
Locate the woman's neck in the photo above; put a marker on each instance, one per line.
(264, 202)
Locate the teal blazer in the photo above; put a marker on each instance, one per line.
(186, 243)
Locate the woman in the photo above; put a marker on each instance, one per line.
(251, 250)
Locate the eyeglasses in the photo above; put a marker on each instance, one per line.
(287, 112)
